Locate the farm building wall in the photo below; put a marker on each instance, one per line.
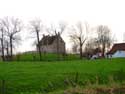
(52, 48)
(119, 54)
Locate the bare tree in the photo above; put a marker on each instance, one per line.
(90, 47)
(12, 27)
(62, 27)
(75, 48)
(104, 38)
(79, 35)
(57, 31)
(36, 27)
(124, 37)
(2, 35)
(7, 47)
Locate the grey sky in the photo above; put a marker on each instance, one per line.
(95, 12)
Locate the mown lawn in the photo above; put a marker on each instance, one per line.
(46, 77)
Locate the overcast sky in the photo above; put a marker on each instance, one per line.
(95, 12)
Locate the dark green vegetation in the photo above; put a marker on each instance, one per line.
(48, 77)
(44, 57)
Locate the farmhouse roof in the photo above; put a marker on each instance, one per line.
(48, 40)
(116, 47)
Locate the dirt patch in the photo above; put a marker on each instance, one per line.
(97, 90)
(110, 90)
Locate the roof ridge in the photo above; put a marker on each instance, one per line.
(116, 47)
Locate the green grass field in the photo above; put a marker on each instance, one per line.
(47, 77)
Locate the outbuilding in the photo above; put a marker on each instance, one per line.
(118, 50)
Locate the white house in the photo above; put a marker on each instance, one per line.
(118, 50)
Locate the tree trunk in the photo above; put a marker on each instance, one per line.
(80, 51)
(58, 53)
(3, 58)
(7, 49)
(11, 48)
(80, 44)
(38, 41)
(103, 51)
(2, 44)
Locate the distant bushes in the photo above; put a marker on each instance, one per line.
(45, 57)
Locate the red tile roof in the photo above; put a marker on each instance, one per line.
(116, 47)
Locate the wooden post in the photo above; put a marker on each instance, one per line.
(3, 87)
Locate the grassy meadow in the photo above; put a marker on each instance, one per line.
(55, 77)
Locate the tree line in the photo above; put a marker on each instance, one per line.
(11, 28)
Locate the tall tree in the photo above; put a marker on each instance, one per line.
(75, 48)
(104, 38)
(79, 35)
(12, 26)
(36, 27)
(61, 27)
(57, 31)
(2, 39)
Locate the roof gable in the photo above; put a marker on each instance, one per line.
(117, 47)
(48, 40)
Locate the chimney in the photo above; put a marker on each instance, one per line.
(58, 34)
(43, 35)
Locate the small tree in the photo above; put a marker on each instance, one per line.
(36, 27)
(2, 39)
(12, 26)
(79, 36)
(75, 48)
(57, 31)
(104, 38)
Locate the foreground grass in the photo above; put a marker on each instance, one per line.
(47, 77)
